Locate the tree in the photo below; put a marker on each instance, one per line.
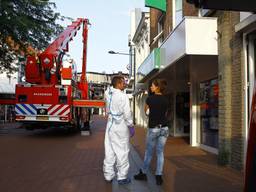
(24, 24)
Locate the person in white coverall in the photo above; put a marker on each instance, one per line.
(117, 132)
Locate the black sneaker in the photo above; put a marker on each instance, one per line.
(141, 176)
(124, 181)
(159, 180)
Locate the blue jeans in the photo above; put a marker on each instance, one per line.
(155, 137)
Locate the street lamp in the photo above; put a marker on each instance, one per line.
(119, 53)
(134, 74)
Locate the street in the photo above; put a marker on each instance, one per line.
(51, 160)
(54, 160)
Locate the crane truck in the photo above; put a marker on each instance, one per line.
(53, 94)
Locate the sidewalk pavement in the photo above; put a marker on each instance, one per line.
(52, 160)
(186, 169)
(190, 169)
(136, 186)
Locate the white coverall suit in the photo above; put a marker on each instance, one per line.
(117, 134)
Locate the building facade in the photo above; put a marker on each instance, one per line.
(208, 59)
(140, 38)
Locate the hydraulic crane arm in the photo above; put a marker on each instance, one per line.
(85, 38)
(61, 43)
(45, 67)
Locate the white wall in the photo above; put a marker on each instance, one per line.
(135, 19)
(141, 42)
(142, 47)
(97, 78)
(8, 84)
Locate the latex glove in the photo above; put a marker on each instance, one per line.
(132, 130)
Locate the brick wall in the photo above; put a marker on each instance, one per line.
(154, 16)
(230, 91)
(224, 68)
(168, 19)
(237, 135)
(189, 9)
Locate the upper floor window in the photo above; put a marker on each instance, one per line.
(160, 30)
(178, 12)
(204, 12)
(244, 15)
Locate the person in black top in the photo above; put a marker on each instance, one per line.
(156, 108)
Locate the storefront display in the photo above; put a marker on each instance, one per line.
(182, 113)
(170, 113)
(209, 112)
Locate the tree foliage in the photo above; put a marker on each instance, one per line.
(23, 24)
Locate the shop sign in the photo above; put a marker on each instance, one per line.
(150, 64)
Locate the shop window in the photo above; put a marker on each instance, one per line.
(209, 112)
(182, 113)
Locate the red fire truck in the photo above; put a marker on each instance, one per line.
(53, 94)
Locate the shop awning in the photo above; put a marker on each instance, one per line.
(234, 5)
(193, 36)
(190, 37)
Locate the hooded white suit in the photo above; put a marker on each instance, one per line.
(117, 134)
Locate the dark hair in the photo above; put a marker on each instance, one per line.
(116, 79)
(161, 83)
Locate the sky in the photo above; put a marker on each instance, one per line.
(109, 31)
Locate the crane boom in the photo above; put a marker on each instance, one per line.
(53, 92)
(44, 68)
